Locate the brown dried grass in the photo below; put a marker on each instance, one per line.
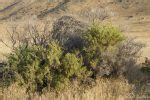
(105, 89)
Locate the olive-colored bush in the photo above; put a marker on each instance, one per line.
(32, 66)
(100, 39)
(41, 68)
(71, 69)
(41, 62)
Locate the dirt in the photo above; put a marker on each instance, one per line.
(132, 17)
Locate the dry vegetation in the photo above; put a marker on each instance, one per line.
(105, 89)
(40, 65)
(78, 63)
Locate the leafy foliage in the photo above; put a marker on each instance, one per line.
(102, 37)
(99, 39)
(41, 63)
(71, 69)
(73, 66)
(32, 66)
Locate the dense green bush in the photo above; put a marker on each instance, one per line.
(98, 40)
(39, 68)
(32, 66)
(71, 69)
(102, 37)
(43, 64)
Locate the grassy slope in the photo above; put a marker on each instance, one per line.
(132, 17)
(133, 20)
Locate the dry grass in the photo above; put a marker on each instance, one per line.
(106, 89)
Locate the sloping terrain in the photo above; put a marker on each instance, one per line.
(10, 10)
(133, 17)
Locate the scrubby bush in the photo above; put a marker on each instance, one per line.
(67, 30)
(127, 55)
(98, 40)
(102, 37)
(43, 63)
(32, 66)
(71, 69)
(39, 68)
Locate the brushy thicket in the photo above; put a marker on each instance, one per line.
(40, 64)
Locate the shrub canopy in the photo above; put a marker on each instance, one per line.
(48, 66)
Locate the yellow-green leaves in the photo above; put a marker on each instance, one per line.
(102, 36)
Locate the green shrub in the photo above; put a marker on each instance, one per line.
(102, 37)
(99, 39)
(41, 68)
(32, 66)
(41, 63)
(71, 69)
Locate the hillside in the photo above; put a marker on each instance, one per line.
(132, 17)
